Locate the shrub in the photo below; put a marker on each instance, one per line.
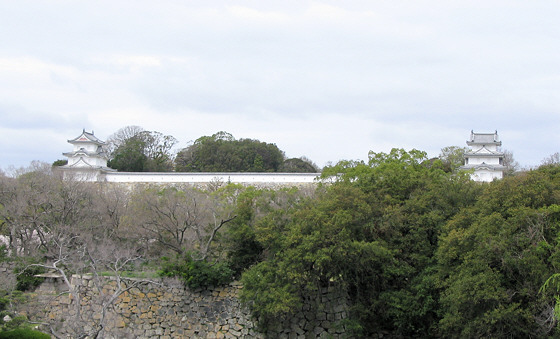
(23, 333)
(17, 322)
(196, 273)
(4, 302)
(25, 276)
(3, 253)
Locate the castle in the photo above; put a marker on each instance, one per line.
(485, 157)
(88, 162)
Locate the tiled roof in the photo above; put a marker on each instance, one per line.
(87, 137)
(484, 138)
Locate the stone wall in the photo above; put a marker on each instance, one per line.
(7, 276)
(171, 311)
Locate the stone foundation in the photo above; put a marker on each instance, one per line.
(7, 276)
(171, 311)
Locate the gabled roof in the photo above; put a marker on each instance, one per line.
(483, 151)
(80, 163)
(84, 164)
(484, 166)
(87, 137)
(83, 151)
(484, 138)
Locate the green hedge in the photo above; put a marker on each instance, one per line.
(23, 333)
(196, 273)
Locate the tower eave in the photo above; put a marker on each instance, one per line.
(473, 143)
(87, 137)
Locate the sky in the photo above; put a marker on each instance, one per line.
(329, 80)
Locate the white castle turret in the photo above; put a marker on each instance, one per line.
(88, 159)
(485, 157)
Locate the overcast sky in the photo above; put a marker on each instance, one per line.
(329, 80)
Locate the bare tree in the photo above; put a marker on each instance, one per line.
(27, 202)
(181, 219)
(553, 159)
(510, 163)
(110, 205)
(74, 227)
(84, 256)
(121, 136)
(159, 149)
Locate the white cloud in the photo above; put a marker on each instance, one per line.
(325, 79)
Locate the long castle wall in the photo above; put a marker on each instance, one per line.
(206, 178)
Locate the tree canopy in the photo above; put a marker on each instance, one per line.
(221, 152)
(134, 150)
(419, 249)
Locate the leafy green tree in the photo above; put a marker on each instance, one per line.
(262, 215)
(221, 152)
(134, 150)
(60, 162)
(494, 257)
(373, 232)
(196, 273)
(130, 157)
(298, 165)
(453, 157)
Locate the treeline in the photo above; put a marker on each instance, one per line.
(132, 149)
(420, 250)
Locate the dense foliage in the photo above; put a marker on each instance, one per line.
(421, 251)
(298, 165)
(12, 325)
(134, 150)
(26, 275)
(419, 248)
(23, 333)
(221, 152)
(196, 273)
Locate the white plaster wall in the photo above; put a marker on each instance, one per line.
(87, 147)
(486, 175)
(98, 162)
(486, 160)
(490, 147)
(240, 178)
(72, 160)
